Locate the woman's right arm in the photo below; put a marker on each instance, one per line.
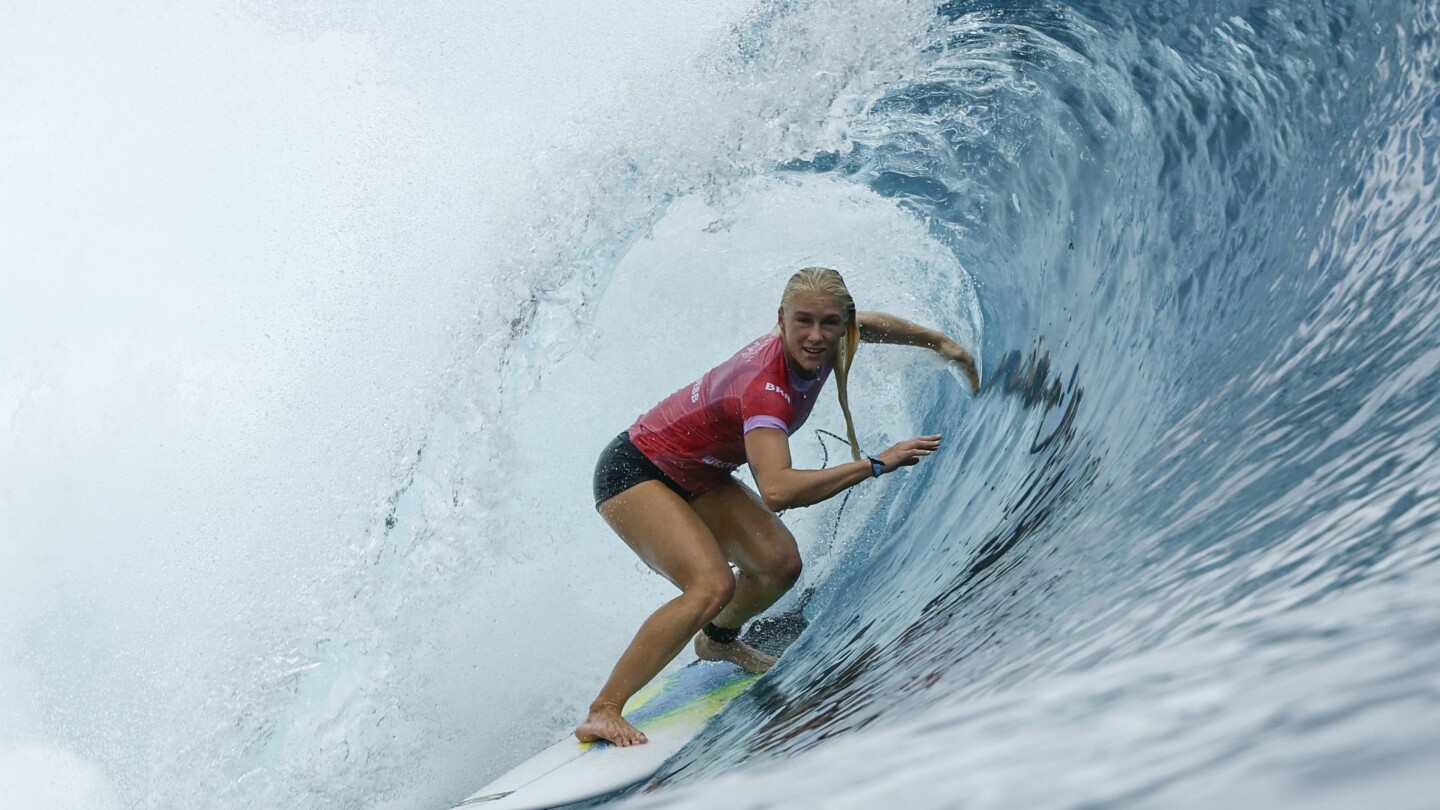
(783, 487)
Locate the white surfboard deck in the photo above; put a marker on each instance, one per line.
(671, 711)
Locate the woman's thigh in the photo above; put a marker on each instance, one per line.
(662, 529)
(749, 534)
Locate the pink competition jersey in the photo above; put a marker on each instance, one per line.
(697, 434)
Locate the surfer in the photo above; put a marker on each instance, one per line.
(665, 484)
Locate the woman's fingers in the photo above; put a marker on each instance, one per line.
(909, 452)
(954, 352)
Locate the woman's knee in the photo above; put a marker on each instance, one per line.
(785, 568)
(780, 562)
(713, 591)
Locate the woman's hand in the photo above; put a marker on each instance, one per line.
(909, 452)
(951, 350)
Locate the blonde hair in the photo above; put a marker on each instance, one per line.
(828, 281)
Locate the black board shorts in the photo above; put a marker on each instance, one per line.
(622, 466)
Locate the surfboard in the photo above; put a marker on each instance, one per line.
(671, 711)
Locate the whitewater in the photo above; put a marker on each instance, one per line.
(313, 319)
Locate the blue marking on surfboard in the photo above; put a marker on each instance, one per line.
(692, 687)
(671, 710)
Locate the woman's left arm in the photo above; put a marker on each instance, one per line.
(882, 327)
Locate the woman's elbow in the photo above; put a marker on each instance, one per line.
(775, 500)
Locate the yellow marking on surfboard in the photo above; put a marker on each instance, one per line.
(714, 700)
(645, 695)
(711, 701)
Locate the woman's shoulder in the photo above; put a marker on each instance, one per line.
(763, 347)
(762, 359)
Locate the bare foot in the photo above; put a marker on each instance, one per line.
(736, 652)
(605, 723)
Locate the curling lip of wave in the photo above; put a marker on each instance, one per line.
(1202, 471)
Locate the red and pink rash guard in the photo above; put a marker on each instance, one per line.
(697, 434)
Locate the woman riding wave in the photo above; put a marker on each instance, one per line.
(665, 485)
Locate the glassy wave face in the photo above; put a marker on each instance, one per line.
(297, 494)
(1182, 549)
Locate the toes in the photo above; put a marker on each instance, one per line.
(631, 736)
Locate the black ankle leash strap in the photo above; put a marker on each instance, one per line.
(721, 635)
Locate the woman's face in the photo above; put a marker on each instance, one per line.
(810, 328)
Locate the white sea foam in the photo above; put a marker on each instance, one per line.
(270, 539)
(53, 778)
(241, 241)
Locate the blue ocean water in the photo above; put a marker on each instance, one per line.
(296, 427)
(1183, 549)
